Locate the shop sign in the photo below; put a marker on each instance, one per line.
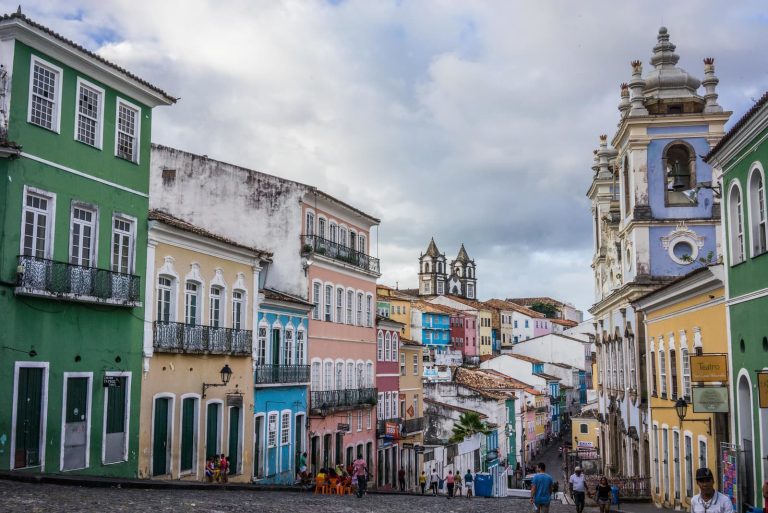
(709, 367)
(762, 388)
(710, 400)
(391, 429)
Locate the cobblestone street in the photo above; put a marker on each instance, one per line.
(18, 497)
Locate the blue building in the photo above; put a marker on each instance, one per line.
(436, 329)
(281, 386)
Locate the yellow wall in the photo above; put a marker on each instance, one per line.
(486, 347)
(404, 317)
(707, 314)
(411, 385)
(591, 426)
(179, 375)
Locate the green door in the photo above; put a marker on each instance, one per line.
(28, 417)
(234, 438)
(75, 423)
(212, 431)
(187, 434)
(115, 441)
(160, 440)
(275, 355)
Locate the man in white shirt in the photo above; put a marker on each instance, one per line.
(709, 500)
(578, 488)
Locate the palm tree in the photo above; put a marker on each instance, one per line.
(468, 425)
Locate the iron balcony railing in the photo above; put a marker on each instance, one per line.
(381, 425)
(269, 374)
(340, 252)
(413, 425)
(321, 400)
(177, 337)
(41, 276)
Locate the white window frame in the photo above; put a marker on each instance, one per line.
(380, 346)
(239, 304)
(89, 407)
(50, 214)
(127, 375)
(369, 421)
(285, 428)
(262, 333)
(350, 306)
(301, 346)
(758, 218)
(272, 433)
(317, 291)
(288, 345)
(359, 316)
(136, 136)
(662, 371)
(329, 377)
(316, 375)
(736, 223)
(198, 305)
(322, 224)
(309, 222)
(339, 300)
(328, 296)
(219, 299)
(131, 241)
(359, 420)
(171, 289)
(94, 225)
(387, 346)
(56, 114)
(369, 310)
(99, 131)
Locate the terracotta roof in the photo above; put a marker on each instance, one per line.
(523, 357)
(515, 383)
(454, 407)
(477, 305)
(486, 384)
(33, 24)
(562, 365)
(528, 301)
(409, 292)
(508, 305)
(564, 322)
(166, 218)
(430, 307)
(379, 319)
(759, 104)
(409, 342)
(277, 295)
(549, 377)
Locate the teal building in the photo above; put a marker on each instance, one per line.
(74, 182)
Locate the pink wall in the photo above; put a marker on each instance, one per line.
(539, 328)
(466, 330)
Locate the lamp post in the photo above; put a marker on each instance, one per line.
(226, 374)
(681, 405)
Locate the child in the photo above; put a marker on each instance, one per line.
(216, 468)
(224, 468)
(209, 469)
(423, 482)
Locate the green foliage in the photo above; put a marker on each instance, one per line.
(549, 310)
(468, 425)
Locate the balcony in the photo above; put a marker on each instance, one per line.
(404, 427)
(177, 337)
(413, 426)
(323, 400)
(339, 252)
(381, 427)
(49, 278)
(280, 374)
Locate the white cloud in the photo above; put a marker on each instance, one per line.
(470, 121)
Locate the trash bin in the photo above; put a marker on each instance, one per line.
(614, 494)
(483, 485)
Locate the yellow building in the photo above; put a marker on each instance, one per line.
(197, 385)
(412, 393)
(399, 307)
(585, 430)
(683, 319)
(484, 319)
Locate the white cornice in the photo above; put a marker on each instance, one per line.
(699, 283)
(741, 139)
(755, 294)
(661, 121)
(51, 46)
(160, 232)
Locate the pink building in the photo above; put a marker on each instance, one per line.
(464, 333)
(341, 277)
(541, 326)
(389, 407)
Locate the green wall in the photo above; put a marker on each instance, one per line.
(71, 336)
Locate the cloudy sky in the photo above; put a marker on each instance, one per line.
(471, 122)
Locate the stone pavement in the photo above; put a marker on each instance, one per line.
(19, 497)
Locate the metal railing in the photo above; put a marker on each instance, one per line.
(340, 252)
(76, 282)
(327, 399)
(381, 425)
(413, 425)
(267, 374)
(177, 337)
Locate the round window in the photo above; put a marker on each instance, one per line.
(683, 251)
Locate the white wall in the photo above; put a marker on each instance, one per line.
(553, 348)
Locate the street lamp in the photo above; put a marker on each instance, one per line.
(681, 405)
(226, 374)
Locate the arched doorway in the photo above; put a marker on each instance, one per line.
(745, 440)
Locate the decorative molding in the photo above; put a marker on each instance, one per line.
(168, 267)
(194, 273)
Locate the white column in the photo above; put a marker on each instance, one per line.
(149, 302)
(255, 305)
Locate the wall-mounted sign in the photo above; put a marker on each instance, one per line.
(342, 427)
(762, 388)
(111, 382)
(709, 367)
(710, 400)
(235, 400)
(391, 429)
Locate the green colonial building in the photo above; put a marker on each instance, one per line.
(74, 183)
(742, 159)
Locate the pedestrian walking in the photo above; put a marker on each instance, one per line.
(457, 488)
(603, 495)
(577, 486)
(450, 482)
(401, 478)
(434, 481)
(360, 471)
(468, 483)
(541, 489)
(709, 500)
(423, 482)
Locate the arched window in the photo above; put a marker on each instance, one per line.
(673, 372)
(685, 362)
(426, 267)
(757, 217)
(165, 301)
(369, 374)
(360, 375)
(288, 351)
(192, 303)
(340, 305)
(339, 375)
(316, 376)
(300, 346)
(736, 224)
(653, 374)
(387, 347)
(350, 375)
(625, 184)
(440, 267)
(679, 173)
(328, 376)
(663, 371)
(394, 346)
(380, 346)
(333, 231)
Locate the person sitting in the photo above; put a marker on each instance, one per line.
(216, 468)
(209, 469)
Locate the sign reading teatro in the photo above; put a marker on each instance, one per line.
(709, 367)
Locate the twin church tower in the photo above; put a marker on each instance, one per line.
(438, 278)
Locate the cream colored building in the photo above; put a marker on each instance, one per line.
(197, 384)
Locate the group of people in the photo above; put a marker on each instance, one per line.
(355, 475)
(217, 469)
(455, 485)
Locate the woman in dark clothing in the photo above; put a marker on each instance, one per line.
(603, 495)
